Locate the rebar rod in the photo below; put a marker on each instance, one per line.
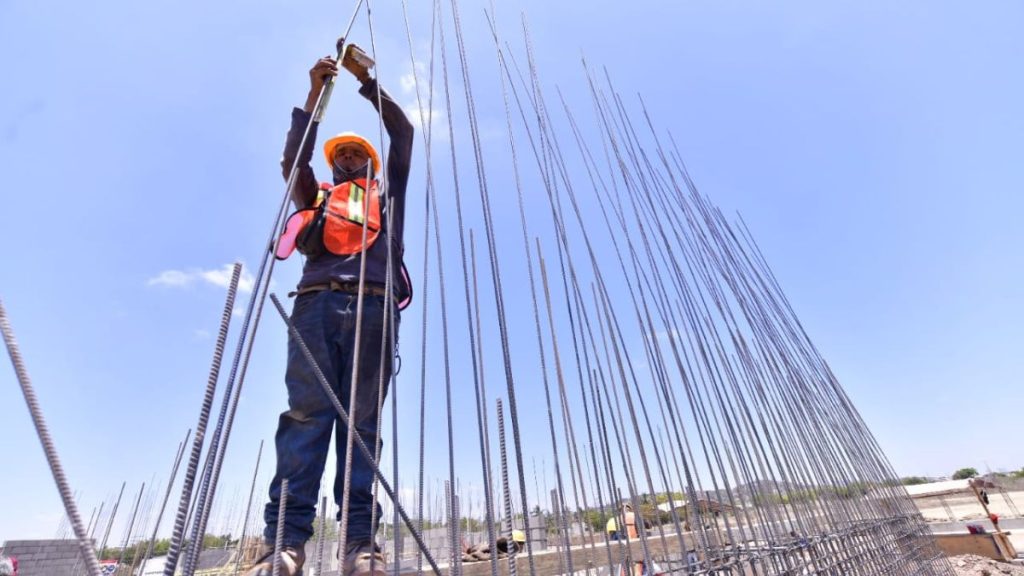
(167, 495)
(321, 537)
(110, 521)
(248, 511)
(43, 432)
(282, 507)
(131, 524)
(200, 434)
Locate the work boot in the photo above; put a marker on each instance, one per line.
(292, 559)
(359, 556)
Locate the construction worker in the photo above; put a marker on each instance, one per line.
(482, 551)
(330, 235)
(692, 561)
(630, 533)
(629, 519)
(612, 528)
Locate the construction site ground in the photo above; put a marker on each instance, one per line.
(971, 565)
(966, 510)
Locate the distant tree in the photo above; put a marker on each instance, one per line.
(331, 529)
(677, 498)
(1018, 473)
(913, 480)
(471, 525)
(964, 474)
(213, 541)
(162, 547)
(595, 519)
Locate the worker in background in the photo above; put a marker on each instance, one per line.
(630, 521)
(329, 231)
(482, 551)
(692, 561)
(612, 528)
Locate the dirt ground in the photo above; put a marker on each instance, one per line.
(971, 565)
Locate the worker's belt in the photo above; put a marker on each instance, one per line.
(348, 287)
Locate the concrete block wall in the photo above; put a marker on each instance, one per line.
(46, 557)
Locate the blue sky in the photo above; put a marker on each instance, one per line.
(873, 149)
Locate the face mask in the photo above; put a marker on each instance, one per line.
(342, 175)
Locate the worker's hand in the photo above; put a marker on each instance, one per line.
(324, 68)
(354, 63)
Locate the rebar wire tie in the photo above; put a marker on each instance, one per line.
(48, 447)
(357, 437)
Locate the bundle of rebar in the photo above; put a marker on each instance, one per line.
(691, 424)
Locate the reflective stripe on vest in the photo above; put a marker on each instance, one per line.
(355, 203)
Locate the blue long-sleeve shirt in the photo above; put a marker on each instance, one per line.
(326, 267)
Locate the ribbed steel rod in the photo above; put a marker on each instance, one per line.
(248, 511)
(282, 507)
(110, 520)
(321, 538)
(167, 496)
(493, 256)
(131, 524)
(506, 492)
(70, 508)
(200, 435)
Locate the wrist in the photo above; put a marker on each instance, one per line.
(311, 98)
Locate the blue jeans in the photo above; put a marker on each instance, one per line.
(327, 322)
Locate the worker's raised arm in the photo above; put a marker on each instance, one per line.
(401, 132)
(305, 188)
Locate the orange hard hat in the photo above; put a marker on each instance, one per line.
(351, 138)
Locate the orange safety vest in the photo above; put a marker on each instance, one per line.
(335, 222)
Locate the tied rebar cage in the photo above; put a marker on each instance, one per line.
(635, 339)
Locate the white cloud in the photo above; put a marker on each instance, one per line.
(170, 278)
(222, 278)
(408, 83)
(434, 118)
(217, 277)
(417, 83)
(201, 334)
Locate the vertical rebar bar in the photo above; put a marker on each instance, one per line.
(70, 508)
(282, 507)
(200, 436)
(248, 511)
